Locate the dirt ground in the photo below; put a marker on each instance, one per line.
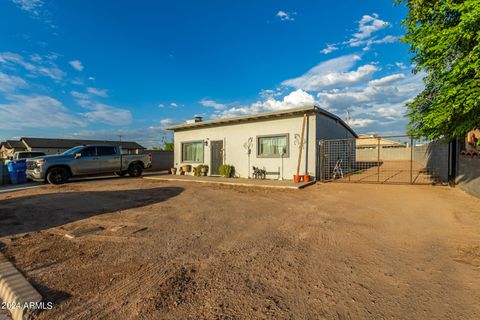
(166, 250)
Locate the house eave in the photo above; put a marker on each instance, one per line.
(259, 116)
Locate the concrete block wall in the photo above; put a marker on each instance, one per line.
(468, 178)
(161, 160)
(434, 156)
(386, 154)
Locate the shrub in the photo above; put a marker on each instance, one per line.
(196, 170)
(226, 170)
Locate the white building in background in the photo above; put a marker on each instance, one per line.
(269, 141)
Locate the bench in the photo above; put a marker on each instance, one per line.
(262, 173)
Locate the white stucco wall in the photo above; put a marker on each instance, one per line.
(235, 135)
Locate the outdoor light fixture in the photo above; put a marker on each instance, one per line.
(206, 142)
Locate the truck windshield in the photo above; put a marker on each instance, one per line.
(73, 151)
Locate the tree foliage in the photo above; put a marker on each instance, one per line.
(444, 39)
(168, 146)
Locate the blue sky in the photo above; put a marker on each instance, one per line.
(98, 69)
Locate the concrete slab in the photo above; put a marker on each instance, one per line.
(16, 291)
(278, 184)
(20, 187)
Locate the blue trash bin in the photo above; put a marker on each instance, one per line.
(21, 171)
(17, 171)
(12, 172)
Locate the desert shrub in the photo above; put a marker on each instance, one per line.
(226, 170)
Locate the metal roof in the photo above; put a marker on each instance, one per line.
(259, 116)
(70, 143)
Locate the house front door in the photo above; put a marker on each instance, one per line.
(216, 157)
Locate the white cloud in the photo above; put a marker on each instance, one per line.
(10, 83)
(212, 104)
(77, 65)
(295, 99)
(330, 48)
(78, 81)
(390, 112)
(286, 16)
(36, 112)
(166, 122)
(387, 79)
(364, 35)
(31, 6)
(333, 72)
(37, 10)
(91, 78)
(173, 104)
(100, 112)
(368, 43)
(401, 65)
(381, 100)
(360, 123)
(79, 95)
(98, 92)
(161, 105)
(268, 93)
(366, 27)
(47, 68)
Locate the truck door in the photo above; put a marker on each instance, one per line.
(87, 163)
(109, 159)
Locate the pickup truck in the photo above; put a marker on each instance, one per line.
(19, 155)
(23, 155)
(86, 160)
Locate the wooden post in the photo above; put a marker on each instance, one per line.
(378, 161)
(301, 143)
(411, 160)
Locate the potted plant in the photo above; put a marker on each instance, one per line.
(204, 170)
(186, 168)
(306, 177)
(296, 178)
(173, 171)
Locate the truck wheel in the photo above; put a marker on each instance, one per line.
(57, 175)
(121, 173)
(135, 170)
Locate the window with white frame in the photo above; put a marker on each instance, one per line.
(192, 151)
(273, 146)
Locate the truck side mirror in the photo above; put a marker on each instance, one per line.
(78, 155)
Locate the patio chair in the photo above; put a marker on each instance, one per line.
(259, 173)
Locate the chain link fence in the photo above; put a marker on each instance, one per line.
(388, 159)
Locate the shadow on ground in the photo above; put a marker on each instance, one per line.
(44, 211)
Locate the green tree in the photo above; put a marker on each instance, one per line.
(444, 39)
(168, 146)
(155, 148)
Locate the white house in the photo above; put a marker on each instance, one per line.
(269, 141)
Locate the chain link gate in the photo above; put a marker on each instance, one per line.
(389, 159)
